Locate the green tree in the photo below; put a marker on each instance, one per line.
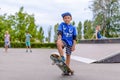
(55, 31)
(17, 25)
(11, 19)
(107, 14)
(49, 34)
(79, 27)
(24, 22)
(41, 35)
(46, 39)
(5, 25)
(88, 29)
(32, 28)
(2, 30)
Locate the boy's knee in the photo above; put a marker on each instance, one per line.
(59, 44)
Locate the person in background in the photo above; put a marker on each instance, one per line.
(7, 40)
(27, 41)
(97, 33)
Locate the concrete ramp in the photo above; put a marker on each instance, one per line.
(97, 53)
(115, 58)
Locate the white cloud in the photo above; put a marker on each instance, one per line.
(48, 12)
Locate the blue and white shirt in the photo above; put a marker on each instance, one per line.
(28, 36)
(68, 33)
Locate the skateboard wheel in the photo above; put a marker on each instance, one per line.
(72, 73)
(61, 63)
(65, 74)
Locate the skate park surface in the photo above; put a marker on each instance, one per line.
(16, 64)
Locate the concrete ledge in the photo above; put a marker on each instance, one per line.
(111, 40)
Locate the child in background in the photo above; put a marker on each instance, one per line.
(27, 41)
(98, 35)
(7, 40)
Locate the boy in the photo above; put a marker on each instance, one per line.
(27, 40)
(66, 37)
(98, 35)
(7, 40)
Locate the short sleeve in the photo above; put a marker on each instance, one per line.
(75, 31)
(60, 27)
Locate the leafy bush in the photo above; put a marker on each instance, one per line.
(33, 45)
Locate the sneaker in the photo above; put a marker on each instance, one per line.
(63, 58)
(65, 74)
(30, 50)
(26, 50)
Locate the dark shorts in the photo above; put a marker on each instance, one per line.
(68, 48)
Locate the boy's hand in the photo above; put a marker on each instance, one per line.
(73, 48)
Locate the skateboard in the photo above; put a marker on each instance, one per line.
(62, 65)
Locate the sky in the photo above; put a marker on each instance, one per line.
(48, 12)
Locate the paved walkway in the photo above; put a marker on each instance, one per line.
(19, 65)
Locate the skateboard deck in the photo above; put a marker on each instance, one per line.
(62, 65)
